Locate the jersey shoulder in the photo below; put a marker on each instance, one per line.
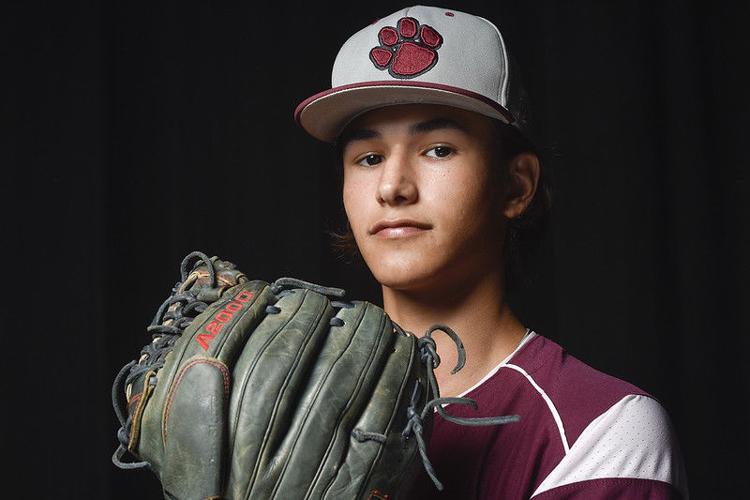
(578, 392)
(617, 438)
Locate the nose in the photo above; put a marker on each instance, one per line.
(397, 184)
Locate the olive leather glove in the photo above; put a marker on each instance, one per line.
(284, 390)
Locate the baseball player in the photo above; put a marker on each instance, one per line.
(440, 189)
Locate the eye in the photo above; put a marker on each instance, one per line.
(370, 160)
(440, 151)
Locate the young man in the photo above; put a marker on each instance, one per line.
(422, 107)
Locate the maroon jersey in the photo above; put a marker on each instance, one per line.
(582, 435)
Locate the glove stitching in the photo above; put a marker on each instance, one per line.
(209, 361)
(135, 429)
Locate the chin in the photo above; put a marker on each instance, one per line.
(399, 281)
(402, 273)
(412, 264)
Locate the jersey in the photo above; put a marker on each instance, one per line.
(582, 435)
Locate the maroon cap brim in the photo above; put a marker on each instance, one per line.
(325, 114)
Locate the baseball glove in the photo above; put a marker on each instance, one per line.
(280, 390)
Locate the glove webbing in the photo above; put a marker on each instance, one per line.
(167, 325)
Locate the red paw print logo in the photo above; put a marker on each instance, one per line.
(408, 50)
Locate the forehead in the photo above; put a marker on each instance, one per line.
(406, 114)
(414, 119)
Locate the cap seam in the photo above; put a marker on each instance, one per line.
(506, 70)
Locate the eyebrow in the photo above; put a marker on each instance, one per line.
(438, 123)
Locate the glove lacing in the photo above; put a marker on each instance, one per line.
(430, 358)
(285, 286)
(168, 324)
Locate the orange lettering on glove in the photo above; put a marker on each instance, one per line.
(222, 317)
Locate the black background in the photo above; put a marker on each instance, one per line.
(138, 132)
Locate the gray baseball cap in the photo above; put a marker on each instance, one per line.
(419, 54)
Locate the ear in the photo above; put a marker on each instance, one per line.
(523, 177)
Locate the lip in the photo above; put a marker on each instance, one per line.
(398, 228)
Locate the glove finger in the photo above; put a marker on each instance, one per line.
(375, 467)
(269, 376)
(338, 391)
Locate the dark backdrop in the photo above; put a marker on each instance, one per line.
(139, 131)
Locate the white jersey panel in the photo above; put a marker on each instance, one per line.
(633, 439)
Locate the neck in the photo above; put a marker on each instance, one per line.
(477, 311)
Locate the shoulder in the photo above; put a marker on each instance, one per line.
(616, 437)
(574, 391)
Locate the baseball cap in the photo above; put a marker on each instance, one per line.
(418, 54)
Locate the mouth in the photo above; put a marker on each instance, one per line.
(398, 228)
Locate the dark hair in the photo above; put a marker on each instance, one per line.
(523, 234)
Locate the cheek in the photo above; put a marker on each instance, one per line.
(353, 195)
(463, 201)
